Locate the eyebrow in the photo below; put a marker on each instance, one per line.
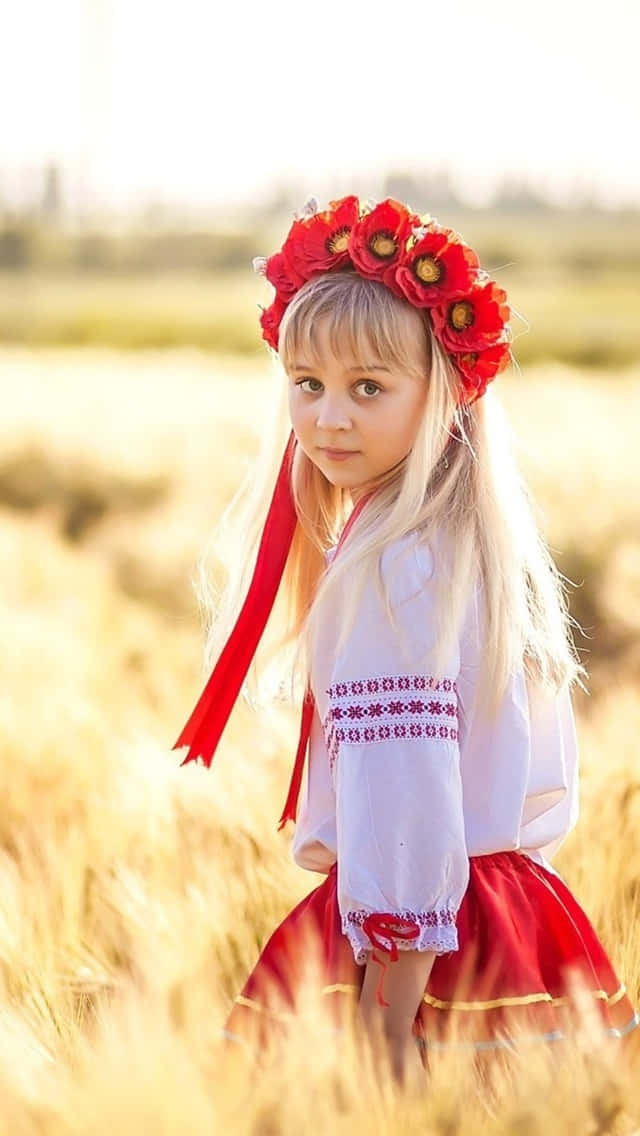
(371, 367)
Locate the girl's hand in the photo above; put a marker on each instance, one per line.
(400, 1053)
(406, 1062)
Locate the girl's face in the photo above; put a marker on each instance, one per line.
(371, 412)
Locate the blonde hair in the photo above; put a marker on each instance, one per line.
(474, 501)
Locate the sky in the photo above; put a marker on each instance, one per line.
(204, 104)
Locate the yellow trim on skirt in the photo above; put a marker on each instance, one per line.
(439, 1004)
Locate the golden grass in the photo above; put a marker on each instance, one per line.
(135, 894)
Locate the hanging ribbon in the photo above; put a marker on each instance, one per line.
(291, 804)
(386, 923)
(210, 715)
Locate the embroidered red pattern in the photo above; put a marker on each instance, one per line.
(368, 710)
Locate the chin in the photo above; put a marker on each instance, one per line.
(344, 482)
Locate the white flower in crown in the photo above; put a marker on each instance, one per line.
(419, 231)
(370, 204)
(259, 265)
(308, 209)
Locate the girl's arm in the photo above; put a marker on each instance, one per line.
(404, 986)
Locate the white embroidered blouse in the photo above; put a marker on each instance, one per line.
(404, 782)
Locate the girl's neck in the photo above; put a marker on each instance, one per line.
(389, 475)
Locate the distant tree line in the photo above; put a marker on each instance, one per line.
(159, 238)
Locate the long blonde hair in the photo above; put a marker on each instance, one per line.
(459, 483)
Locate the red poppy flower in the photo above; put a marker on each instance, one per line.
(321, 242)
(478, 368)
(284, 279)
(270, 321)
(439, 266)
(378, 241)
(472, 321)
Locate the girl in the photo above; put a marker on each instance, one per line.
(433, 639)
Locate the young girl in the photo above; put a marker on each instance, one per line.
(432, 639)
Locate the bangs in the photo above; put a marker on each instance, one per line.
(361, 319)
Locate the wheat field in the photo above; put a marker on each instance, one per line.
(135, 894)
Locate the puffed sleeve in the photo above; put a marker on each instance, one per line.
(396, 764)
(552, 805)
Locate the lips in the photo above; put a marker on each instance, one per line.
(334, 450)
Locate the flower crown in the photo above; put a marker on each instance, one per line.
(417, 258)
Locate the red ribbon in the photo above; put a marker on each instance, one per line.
(291, 804)
(211, 712)
(386, 923)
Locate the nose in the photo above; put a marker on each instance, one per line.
(332, 414)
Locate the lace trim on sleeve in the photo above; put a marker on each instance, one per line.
(436, 932)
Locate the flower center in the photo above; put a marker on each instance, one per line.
(383, 244)
(338, 241)
(428, 269)
(461, 315)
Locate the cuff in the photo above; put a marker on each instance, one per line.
(436, 932)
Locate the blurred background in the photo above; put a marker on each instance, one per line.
(147, 153)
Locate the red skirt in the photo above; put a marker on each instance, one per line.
(529, 965)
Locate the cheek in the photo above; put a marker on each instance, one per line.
(299, 417)
(417, 410)
(402, 423)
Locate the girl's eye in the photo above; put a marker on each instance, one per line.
(362, 383)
